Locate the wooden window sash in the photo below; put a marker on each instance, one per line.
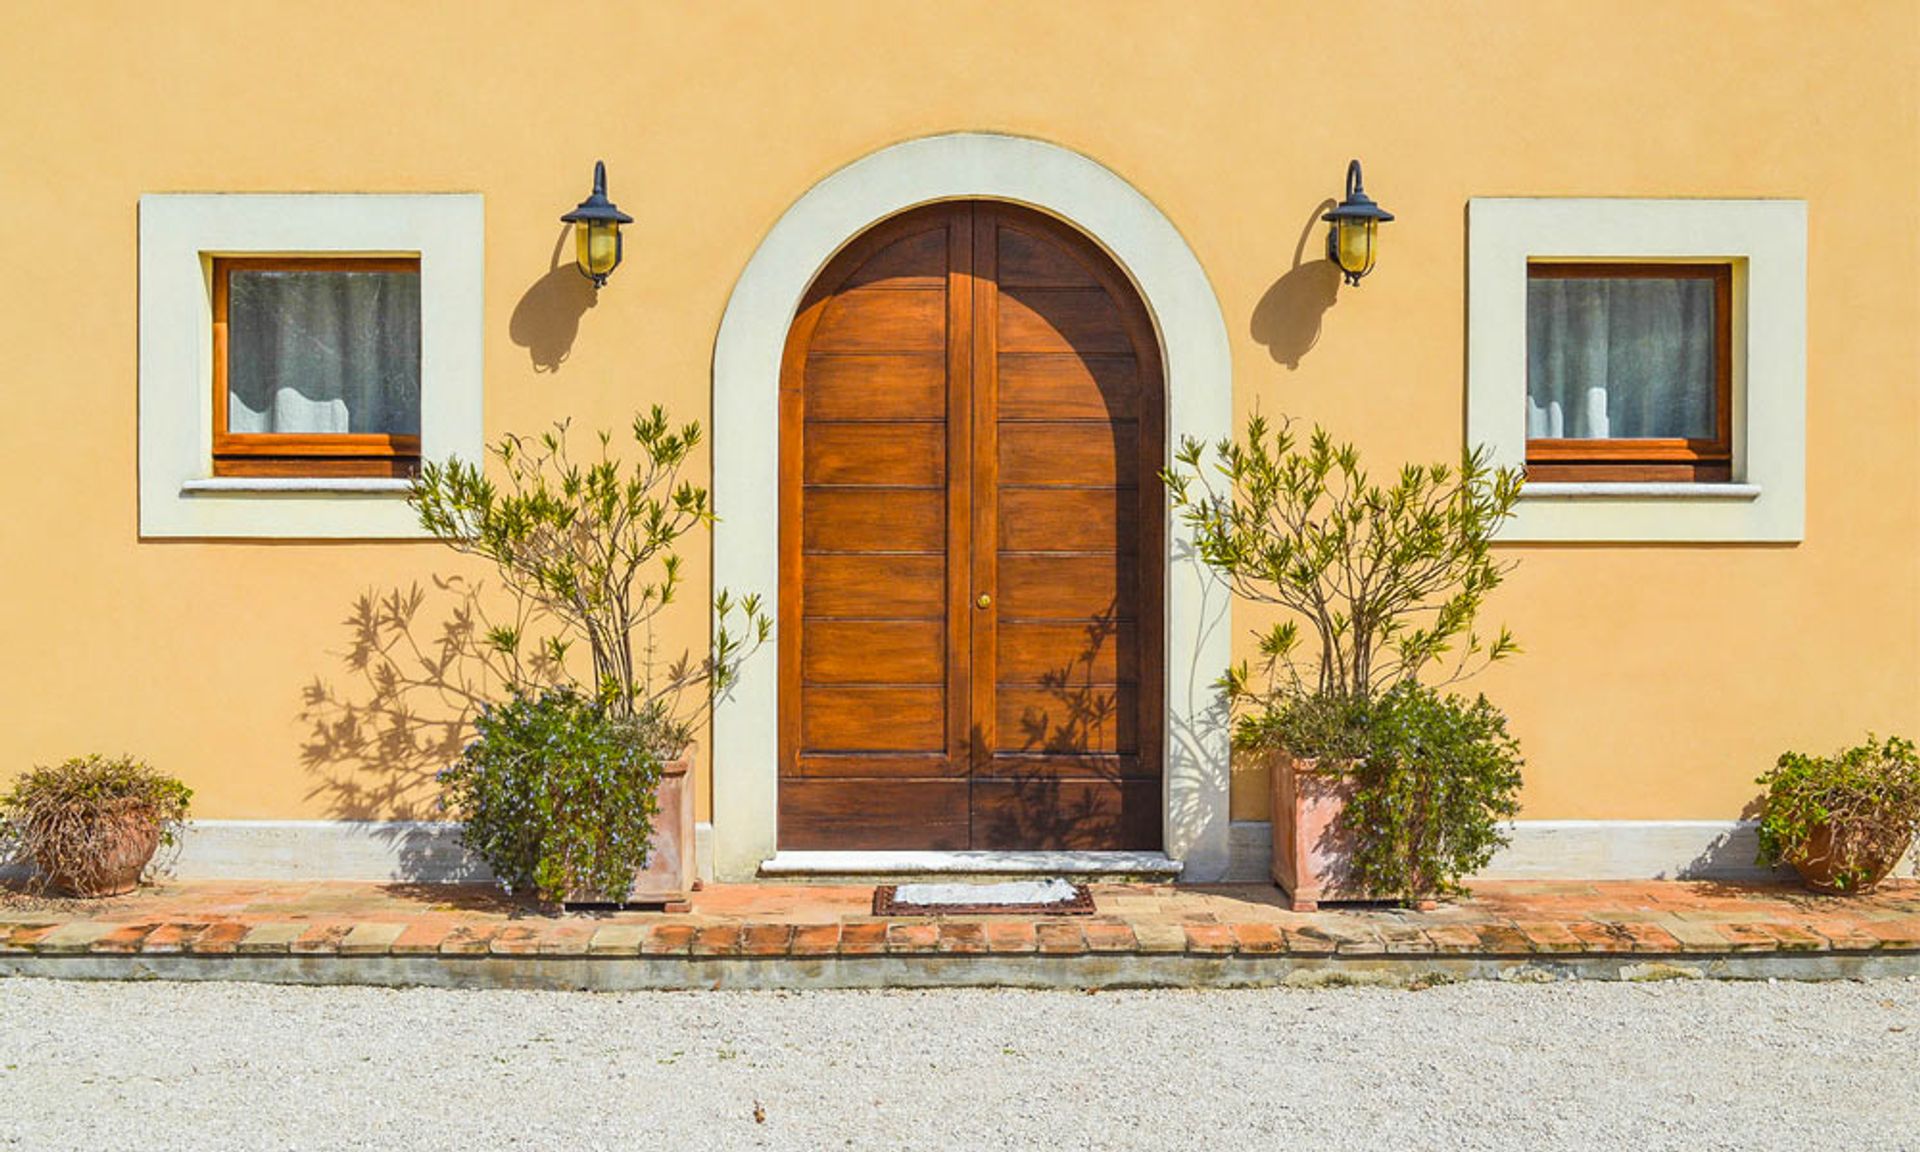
(1602, 451)
(1652, 458)
(325, 454)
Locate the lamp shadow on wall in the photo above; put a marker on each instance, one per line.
(547, 319)
(377, 737)
(1287, 319)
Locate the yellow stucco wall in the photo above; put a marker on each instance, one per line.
(1657, 679)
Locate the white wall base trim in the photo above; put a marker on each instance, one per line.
(400, 851)
(430, 853)
(1578, 850)
(703, 850)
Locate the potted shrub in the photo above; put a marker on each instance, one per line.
(1381, 788)
(92, 824)
(1843, 821)
(579, 784)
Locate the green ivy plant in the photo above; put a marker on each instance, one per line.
(1866, 797)
(1387, 577)
(558, 793)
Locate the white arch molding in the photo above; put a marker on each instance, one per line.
(746, 439)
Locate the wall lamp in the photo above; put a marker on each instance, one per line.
(596, 230)
(1353, 242)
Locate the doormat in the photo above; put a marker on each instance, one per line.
(1008, 898)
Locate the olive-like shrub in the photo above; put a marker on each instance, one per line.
(1377, 584)
(557, 790)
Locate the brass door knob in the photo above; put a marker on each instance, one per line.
(985, 601)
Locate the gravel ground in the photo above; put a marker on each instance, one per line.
(1690, 1065)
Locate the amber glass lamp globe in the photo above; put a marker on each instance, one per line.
(1353, 243)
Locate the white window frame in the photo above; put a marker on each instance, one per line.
(179, 237)
(1766, 243)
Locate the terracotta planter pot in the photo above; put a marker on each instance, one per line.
(669, 878)
(127, 845)
(1818, 866)
(1312, 857)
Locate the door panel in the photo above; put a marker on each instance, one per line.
(1028, 258)
(1051, 812)
(874, 652)
(875, 814)
(1071, 652)
(1066, 718)
(870, 719)
(901, 386)
(1069, 321)
(881, 585)
(875, 520)
(918, 261)
(882, 319)
(891, 453)
(876, 766)
(1099, 454)
(1070, 585)
(1045, 387)
(970, 544)
(1067, 519)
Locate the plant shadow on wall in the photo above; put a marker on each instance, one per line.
(417, 668)
(1072, 738)
(547, 318)
(1729, 853)
(1288, 317)
(548, 726)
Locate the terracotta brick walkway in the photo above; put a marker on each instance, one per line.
(1510, 919)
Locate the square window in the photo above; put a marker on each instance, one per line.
(1645, 362)
(316, 367)
(300, 354)
(1629, 372)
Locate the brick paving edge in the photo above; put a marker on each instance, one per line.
(1077, 970)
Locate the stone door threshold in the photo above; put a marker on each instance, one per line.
(1094, 865)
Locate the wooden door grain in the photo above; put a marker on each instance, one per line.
(1069, 723)
(971, 535)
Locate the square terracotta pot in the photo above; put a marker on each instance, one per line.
(1312, 856)
(669, 877)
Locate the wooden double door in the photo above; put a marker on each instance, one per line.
(971, 544)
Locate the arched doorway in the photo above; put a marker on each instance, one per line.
(971, 597)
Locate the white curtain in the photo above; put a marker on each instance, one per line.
(323, 352)
(1620, 358)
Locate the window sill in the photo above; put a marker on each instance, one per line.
(1602, 490)
(330, 485)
